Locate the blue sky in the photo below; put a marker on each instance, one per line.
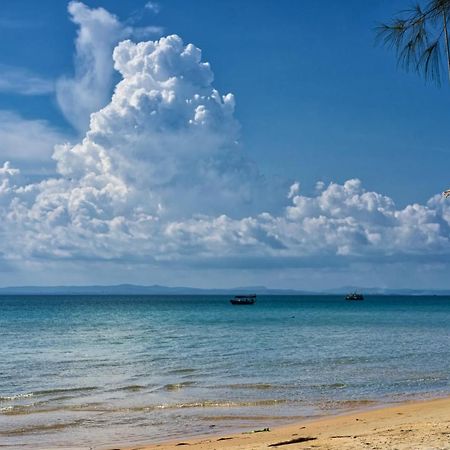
(316, 101)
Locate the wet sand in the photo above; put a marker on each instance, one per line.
(415, 426)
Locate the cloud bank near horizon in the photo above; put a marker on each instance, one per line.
(160, 177)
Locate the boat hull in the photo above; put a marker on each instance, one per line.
(242, 302)
(243, 299)
(354, 298)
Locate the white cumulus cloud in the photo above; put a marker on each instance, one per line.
(160, 177)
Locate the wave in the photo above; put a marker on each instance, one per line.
(223, 404)
(64, 390)
(178, 386)
(46, 392)
(102, 408)
(7, 398)
(131, 388)
(183, 371)
(47, 407)
(41, 428)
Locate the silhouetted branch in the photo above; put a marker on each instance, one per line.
(417, 35)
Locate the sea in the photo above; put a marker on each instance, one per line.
(80, 372)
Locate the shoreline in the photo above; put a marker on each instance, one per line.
(416, 424)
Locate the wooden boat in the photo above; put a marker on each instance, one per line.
(243, 299)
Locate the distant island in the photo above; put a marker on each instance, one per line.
(132, 289)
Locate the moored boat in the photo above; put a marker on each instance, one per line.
(249, 299)
(354, 296)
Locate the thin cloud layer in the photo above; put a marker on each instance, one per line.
(160, 177)
(153, 7)
(21, 81)
(89, 89)
(28, 143)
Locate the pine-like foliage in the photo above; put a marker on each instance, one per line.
(420, 38)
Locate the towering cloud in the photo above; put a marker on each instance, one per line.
(160, 176)
(167, 135)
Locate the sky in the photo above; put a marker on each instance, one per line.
(217, 144)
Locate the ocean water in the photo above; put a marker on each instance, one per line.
(92, 371)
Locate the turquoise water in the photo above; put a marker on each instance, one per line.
(81, 371)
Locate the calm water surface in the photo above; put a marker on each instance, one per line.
(91, 371)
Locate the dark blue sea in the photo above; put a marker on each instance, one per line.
(97, 371)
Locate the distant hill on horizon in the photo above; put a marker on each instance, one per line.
(132, 289)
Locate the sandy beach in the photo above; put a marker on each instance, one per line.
(418, 425)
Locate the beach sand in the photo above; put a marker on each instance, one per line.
(418, 425)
